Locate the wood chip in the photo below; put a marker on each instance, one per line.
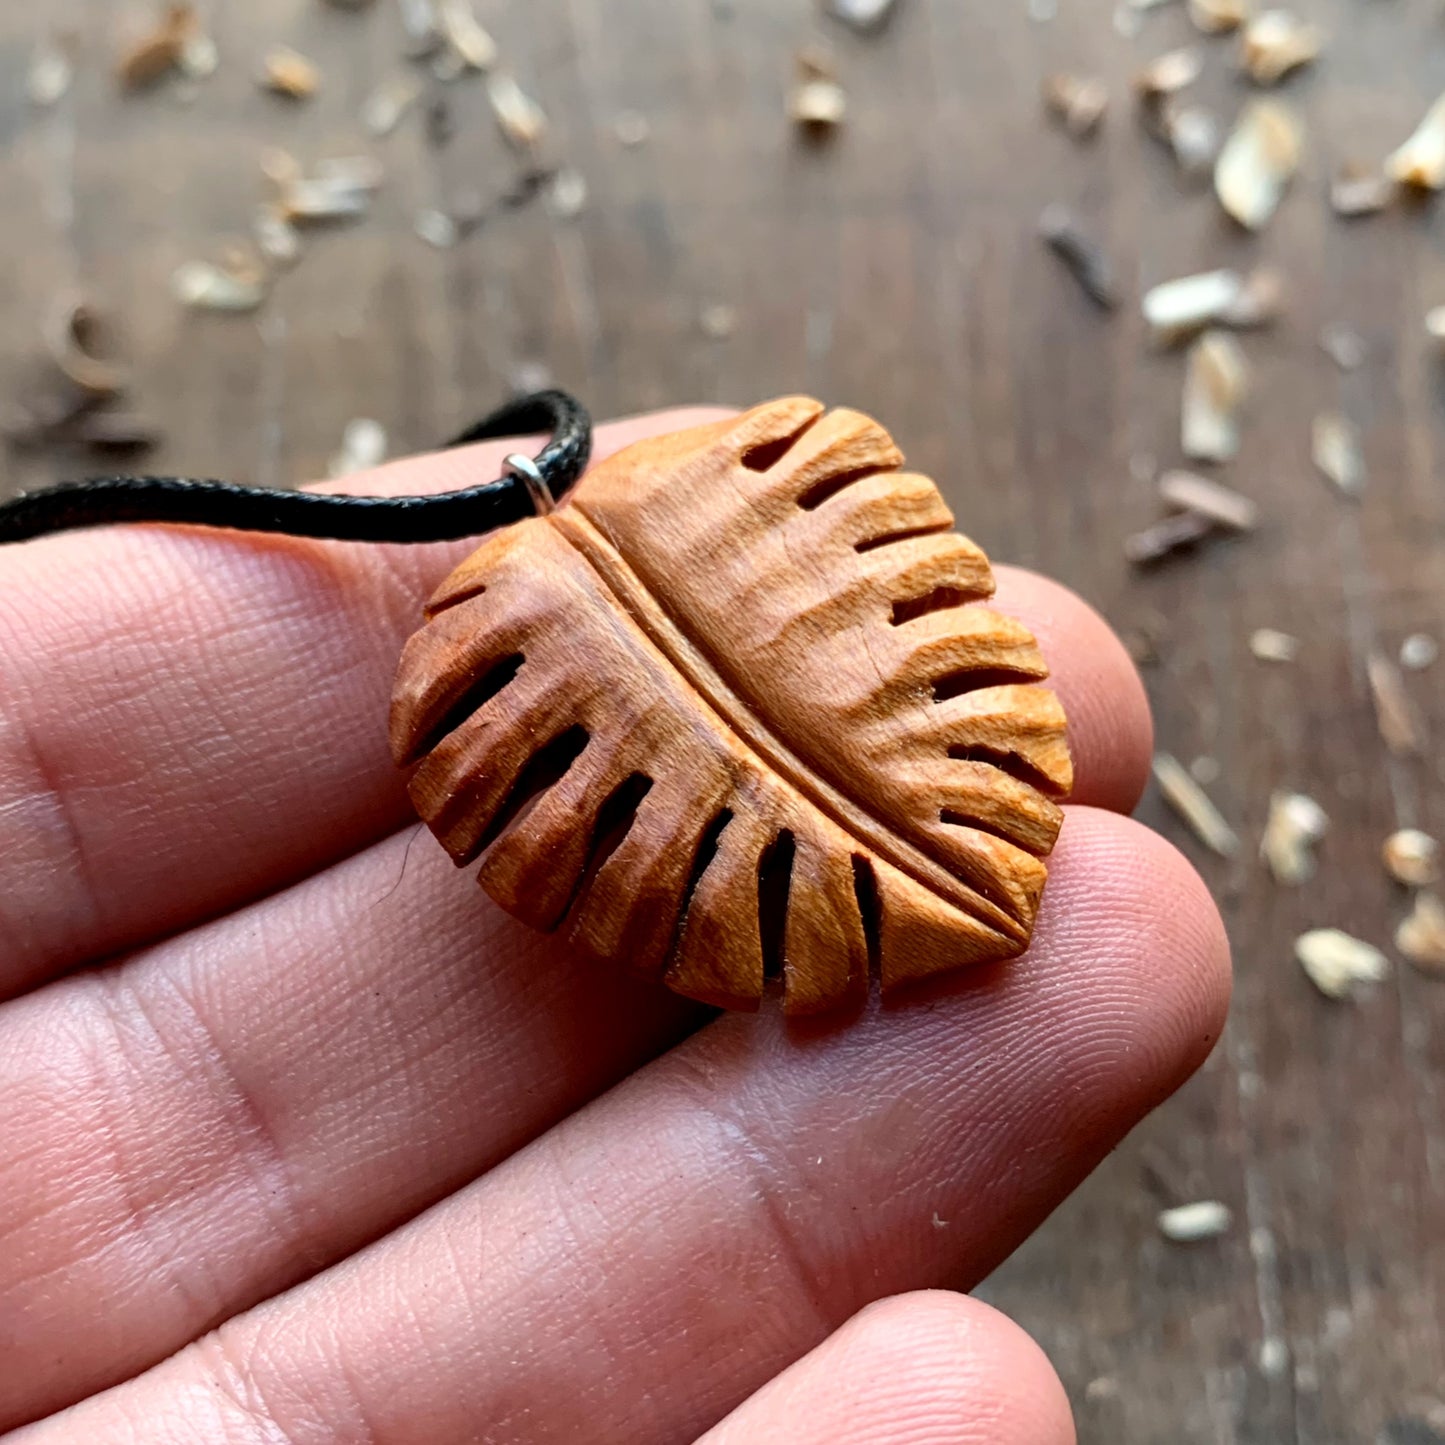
(1257, 162)
(203, 286)
(1294, 825)
(1215, 384)
(1343, 345)
(521, 120)
(1176, 310)
(1421, 936)
(1192, 804)
(632, 129)
(567, 194)
(363, 446)
(1399, 720)
(1269, 644)
(422, 26)
(818, 106)
(437, 228)
(469, 40)
(1412, 858)
(1358, 192)
(1418, 651)
(287, 72)
(864, 15)
(69, 331)
(1193, 134)
(1169, 74)
(1277, 42)
(1192, 1223)
(1172, 534)
(1085, 259)
(1078, 101)
(1214, 17)
(1337, 964)
(51, 70)
(386, 106)
(718, 321)
(1218, 504)
(1335, 447)
(155, 54)
(1420, 162)
(338, 189)
(276, 238)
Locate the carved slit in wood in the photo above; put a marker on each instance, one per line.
(738, 714)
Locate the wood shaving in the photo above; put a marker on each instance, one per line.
(1358, 192)
(438, 229)
(363, 446)
(69, 331)
(521, 120)
(287, 72)
(1295, 824)
(386, 106)
(1343, 345)
(1420, 162)
(1269, 644)
(1078, 101)
(1176, 310)
(1418, 651)
(422, 27)
(1421, 936)
(862, 15)
(1335, 447)
(51, 71)
(239, 285)
(1215, 17)
(1193, 805)
(1084, 259)
(1277, 42)
(1192, 1223)
(632, 129)
(818, 105)
(1338, 964)
(1173, 534)
(1257, 162)
(338, 189)
(567, 194)
(469, 40)
(1220, 505)
(155, 54)
(718, 321)
(1412, 858)
(1215, 384)
(276, 238)
(1193, 134)
(200, 58)
(1399, 721)
(1169, 74)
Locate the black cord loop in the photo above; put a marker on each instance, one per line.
(442, 518)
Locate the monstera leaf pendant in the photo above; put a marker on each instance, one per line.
(737, 715)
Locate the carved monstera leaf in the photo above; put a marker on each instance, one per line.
(738, 713)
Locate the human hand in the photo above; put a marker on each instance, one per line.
(319, 1147)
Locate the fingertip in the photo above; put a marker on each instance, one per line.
(926, 1368)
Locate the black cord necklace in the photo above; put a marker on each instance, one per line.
(531, 487)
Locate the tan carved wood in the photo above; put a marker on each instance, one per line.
(738, 713)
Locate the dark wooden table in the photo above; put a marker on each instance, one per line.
(898, 269)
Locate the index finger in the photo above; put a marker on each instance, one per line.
(192, 719)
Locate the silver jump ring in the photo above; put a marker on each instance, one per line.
(530, 473)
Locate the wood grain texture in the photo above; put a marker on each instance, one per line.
(737, 712)
(897, 270)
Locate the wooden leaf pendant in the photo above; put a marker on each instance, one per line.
(737, 713)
